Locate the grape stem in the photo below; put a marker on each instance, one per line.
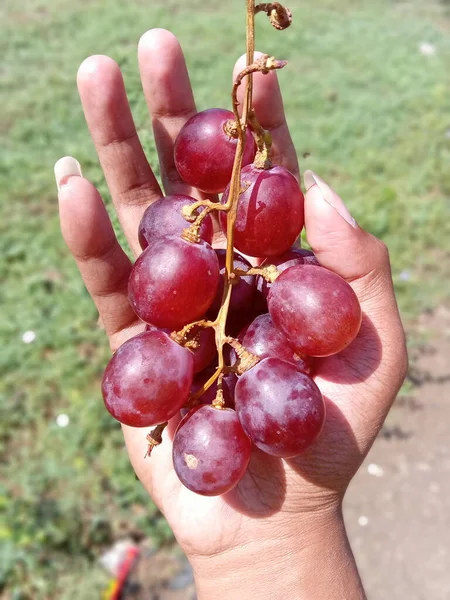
(181, 337)
(269, 272)
(263, 139)
(246, 360)
(154, 438)
(280, 18)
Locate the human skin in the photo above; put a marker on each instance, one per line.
(280, 532)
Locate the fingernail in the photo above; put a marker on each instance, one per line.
(310, 178)
(66, 168)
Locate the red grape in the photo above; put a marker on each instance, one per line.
(242, 292)
(228, 384)
(204, 151)
(164, 217)
(315, 309)
(206, 351)
(281, 409)
(173, 282)
(270, 212)
(147, 380)
(264, 340)
(290, 258)
(210, 450)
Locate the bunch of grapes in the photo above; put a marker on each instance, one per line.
(230, 348)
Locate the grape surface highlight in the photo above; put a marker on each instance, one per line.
(147, 380)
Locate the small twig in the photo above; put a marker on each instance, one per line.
(270, 272)
(192, 233)
(188, 210)
(219, 400)
(246, 360)
(193, 399)
(182, 337)
(154, 438)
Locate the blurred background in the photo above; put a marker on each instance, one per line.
(367, 95)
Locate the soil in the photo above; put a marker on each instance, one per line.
(398, 517)
(397, 509)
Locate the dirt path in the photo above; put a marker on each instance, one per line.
(397, 509)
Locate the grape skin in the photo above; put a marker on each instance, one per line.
(204, 152)
(242, 292)
(205, 353)
(147, 380)
(264, 340)
(281, 409)
(228, 385)
(163, 218)
(290, 258)
(270, 211)
(315, 309)
(210, 450)
(173, 282)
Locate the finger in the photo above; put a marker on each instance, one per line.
(156, 473)
(130, 179)
(268, 106)
(89, 235)
(343, 247)
(169, 98)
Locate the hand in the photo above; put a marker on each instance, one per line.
(284, 516)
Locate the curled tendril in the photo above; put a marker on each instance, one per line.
(279, 16)
(264, 64)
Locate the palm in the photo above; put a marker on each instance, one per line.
(272, 488)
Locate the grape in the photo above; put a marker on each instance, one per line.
(164, 217)
(147, 380)
(315, 309)
(270, 212)
(242, 292)
(228, 384)
(260, 302)
(204, 151)
(290, 258)
(264, 340)
(210, 450)
(173, 282)
(281, 409)
(205, 353)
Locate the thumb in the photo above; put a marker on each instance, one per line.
(345, 248)
(338, 242)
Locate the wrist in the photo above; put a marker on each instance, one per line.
(311, 561)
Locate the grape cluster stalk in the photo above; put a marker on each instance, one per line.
(229, 348)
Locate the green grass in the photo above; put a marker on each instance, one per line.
(373, 112)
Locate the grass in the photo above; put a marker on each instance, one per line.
(373, 112)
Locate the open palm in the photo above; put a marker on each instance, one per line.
(359, 385)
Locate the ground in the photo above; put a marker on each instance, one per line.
(397, 509)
